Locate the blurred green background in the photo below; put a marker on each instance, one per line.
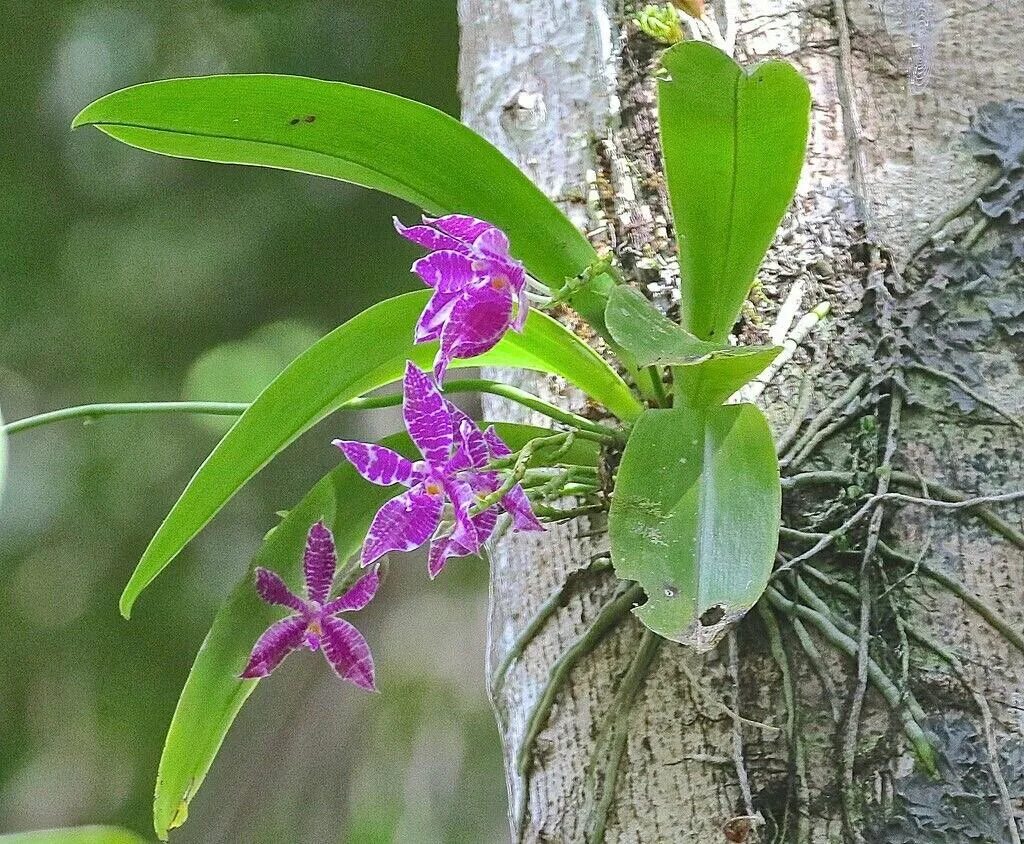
(124, 276)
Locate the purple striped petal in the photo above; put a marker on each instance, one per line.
(462, 498)
(485, 523)
(472, 442)
(347, 652)
(357, 597)
(460, 226)
(376, 463)
(493, 243)
(404, 523)
(428, 237)
(273, 590)
(319, 563)
(518, 506)
(477, 322)
(444, 548)
(279, 640)
(426, 416)
(447, 271)
(441, 550)
(495, 443)
(434, 316)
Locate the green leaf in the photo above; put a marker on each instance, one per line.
(734, 146)
(710, 380)
(74, 835)
(365, 353)
(695, 517)
(3, 457)
(653, 339)
(358, 135)
(705, 373)
(214, 693)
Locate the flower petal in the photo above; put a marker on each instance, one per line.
(477, 322)
(404, 523)
(447, 271)
(356, 597)
(444, 548)
(462, 498)
(279, 640)
(428, 237)
(319, 562)
(518, 506)
(460, 226)
(441, 550)
(434, 316)
(493, 243)
(495, 443)
(427, 418)
(347, 652)
(376, 463)
(273, 590)
(471, 440)
(522, 310)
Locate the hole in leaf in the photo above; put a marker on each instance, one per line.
(711, 616)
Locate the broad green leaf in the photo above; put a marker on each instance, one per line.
(358, 135)
(74, 835)
(705, 373)
(695, 517)
(652, 338)
(365, 353)
(710, 380)
(214, 693)
(734, 147)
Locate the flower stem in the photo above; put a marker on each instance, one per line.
(90, 412)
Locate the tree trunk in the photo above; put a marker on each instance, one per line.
(564, 87)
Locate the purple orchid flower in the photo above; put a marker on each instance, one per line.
(479, 289)
(313, 622)
(454, 453)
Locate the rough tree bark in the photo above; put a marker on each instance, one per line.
(564, 88)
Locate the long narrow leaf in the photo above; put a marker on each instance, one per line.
(214, 693)
(365, 353)
(358, 135)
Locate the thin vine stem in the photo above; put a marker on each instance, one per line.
(586, 428)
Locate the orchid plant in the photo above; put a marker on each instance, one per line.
(687, 482)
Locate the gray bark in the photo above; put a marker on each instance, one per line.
(563, 88)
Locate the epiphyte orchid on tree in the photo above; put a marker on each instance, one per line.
(694, 500)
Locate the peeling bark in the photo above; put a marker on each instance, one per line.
(563, 87)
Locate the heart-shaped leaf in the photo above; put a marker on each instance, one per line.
(695, 517)
(358, 135)
(367, 352)
(734, 146)
(214, 693)
(705, 373)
